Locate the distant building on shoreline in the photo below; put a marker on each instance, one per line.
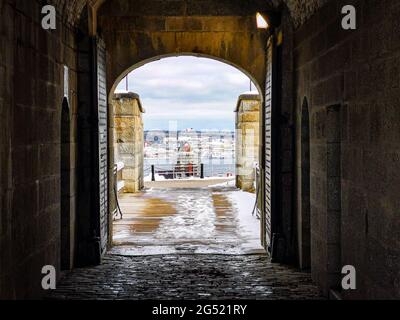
(208, 144)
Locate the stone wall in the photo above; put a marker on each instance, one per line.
(352, 82)
(282, 147)
(247, 140)
(31, 95)
(129, 140)
(137, 32)
(300, 10)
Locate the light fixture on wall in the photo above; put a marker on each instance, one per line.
(262, 23)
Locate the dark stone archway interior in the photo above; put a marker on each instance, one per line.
(350, 79)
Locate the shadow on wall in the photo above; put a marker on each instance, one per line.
(66, 225)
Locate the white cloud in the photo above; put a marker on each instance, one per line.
(188, 88)
(172, 109)
(172, 83)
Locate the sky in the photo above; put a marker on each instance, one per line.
(188, 92)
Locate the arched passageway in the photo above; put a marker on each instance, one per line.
(197, 30)
(196, 206)
(159, 33)
(349, 77)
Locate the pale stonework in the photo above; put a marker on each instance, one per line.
(247, 140)
(129, 139)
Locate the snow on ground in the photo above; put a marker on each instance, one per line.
(193, 228)
(162, 178)
(249, 224)
(157, 176)
(245, 203)
(231, 183)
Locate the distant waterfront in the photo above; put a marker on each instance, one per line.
(212, 167)
(214, 149)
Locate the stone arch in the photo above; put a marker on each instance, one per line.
(112, 85)
(136, 33)
(299, 10)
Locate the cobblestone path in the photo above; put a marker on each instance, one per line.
(186, 277)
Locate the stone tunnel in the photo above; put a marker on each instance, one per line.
(328, 149)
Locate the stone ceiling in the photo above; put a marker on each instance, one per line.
(300, 10)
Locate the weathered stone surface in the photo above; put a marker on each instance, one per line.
(129, 139)
(337, 67)
(187, 277)
(247, 140)
(300, 10)
(355, 69)
(31, 92)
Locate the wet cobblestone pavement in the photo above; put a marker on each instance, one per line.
(189, 277)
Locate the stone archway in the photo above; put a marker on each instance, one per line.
(133, 96)
(124, 73)
(136, 33)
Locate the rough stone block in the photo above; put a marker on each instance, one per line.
(333, 159)
(318, 159)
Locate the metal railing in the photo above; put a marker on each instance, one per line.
(178, 171)
(205, 170)
(117, 170)
(256, 209)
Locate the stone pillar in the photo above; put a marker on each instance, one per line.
(129, 139)
(247, 140)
